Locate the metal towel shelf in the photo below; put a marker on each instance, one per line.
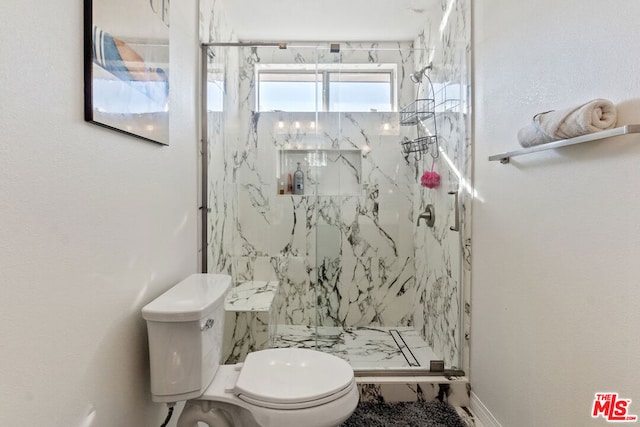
(623, 130)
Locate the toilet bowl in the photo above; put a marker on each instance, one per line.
(277, 388)
(286, 387)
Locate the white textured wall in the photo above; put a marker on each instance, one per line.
(93, 225)
(556, 235)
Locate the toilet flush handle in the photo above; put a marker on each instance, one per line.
(208, 324)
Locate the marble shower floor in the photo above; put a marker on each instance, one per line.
(363, 347)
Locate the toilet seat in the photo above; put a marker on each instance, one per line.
(293, 378)
(299, 405)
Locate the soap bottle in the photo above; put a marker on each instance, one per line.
(298, 181)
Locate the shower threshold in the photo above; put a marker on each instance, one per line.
(365, 348)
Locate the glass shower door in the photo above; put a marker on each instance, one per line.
(355, 275)
(439, 315)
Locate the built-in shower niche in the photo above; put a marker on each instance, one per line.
(327, 172)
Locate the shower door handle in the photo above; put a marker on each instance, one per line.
(456, 224)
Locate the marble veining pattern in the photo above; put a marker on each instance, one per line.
(251, 296)
(350, 247)
(439, 250)
(353, 258)
(363, 347)
(250, 318)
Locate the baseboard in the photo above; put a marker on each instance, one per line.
(482, 412)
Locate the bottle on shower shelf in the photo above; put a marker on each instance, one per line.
(298, 181)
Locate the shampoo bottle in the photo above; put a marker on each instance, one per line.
(298, 181)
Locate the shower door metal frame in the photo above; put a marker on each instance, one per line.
(204, 159)
(205, 209)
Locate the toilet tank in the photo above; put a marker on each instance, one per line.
(185, 327)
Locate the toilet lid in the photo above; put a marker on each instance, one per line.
(292, 376)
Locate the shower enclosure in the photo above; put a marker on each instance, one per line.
(356, 274)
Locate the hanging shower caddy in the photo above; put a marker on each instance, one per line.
(420, 109)
(418, 145)
(420, 113)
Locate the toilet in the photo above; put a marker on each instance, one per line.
(284, 387)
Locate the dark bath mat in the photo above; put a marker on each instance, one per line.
(404, 414)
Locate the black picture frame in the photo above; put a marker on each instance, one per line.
(126, 67)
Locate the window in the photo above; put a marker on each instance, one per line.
(359, 88)
(360, 91)
(282, 91)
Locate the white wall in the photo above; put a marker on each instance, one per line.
(556, 236)
(93, 225)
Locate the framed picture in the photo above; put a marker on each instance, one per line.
(126, 66)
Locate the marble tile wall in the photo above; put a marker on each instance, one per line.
(454, 391)
(442, 314)
(358, 258)
(349, 255)
(222, 64)
(250, 319)
(213, 24)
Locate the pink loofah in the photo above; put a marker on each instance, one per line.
(430, 179)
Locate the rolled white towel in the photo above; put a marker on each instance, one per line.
(591, 117)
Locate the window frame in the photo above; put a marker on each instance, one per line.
(325, 71)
